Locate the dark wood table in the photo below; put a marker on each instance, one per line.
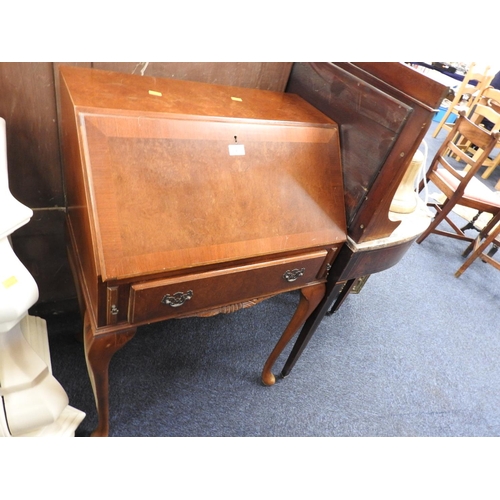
(384, 111)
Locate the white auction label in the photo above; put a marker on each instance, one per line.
(236, 150)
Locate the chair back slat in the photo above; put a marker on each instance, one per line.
(444, 163)
(458, 152)
(477, 135)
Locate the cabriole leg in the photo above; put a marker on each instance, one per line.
(99, 349)
(310, 297)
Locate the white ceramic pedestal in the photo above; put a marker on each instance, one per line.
(66, 418)
(32, 402)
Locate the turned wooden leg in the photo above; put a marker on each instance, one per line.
(310, 297)
(99, 349)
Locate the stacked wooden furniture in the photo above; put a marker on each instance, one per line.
(190, 199)
(467, 95)
(384, 111)
(486, 110)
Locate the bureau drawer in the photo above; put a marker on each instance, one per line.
(167, 298)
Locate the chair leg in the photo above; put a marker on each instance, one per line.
(471, 223)
(472, 257)
(442, 122)
(479, 249)
(442, 212)
(483, 233)
(492, 167)
(493, 251)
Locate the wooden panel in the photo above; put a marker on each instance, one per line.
(371, 220)
(369, 261)
(124, 92)
(220, 288)
(57, 84)
(381, 128)
(79, 229)
(407, 80)
(27, 102)
(369, 120)
(265, 76)
(40, 245)
(213, 206)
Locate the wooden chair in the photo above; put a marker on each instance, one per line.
(466, 96)
(486, 113)
(489, 108)
(477, 248)
(461, 187)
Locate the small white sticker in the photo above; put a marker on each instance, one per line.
(236, 150)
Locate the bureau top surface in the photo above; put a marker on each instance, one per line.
(166, 191)
(90, 88)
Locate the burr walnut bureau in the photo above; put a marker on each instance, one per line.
(186, 199)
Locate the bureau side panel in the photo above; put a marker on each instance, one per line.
(78, 217)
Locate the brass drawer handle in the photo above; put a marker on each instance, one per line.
(177, 299)
(294, 274)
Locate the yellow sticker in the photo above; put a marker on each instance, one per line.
(237, 99)
(9, 282)
(153, 92)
